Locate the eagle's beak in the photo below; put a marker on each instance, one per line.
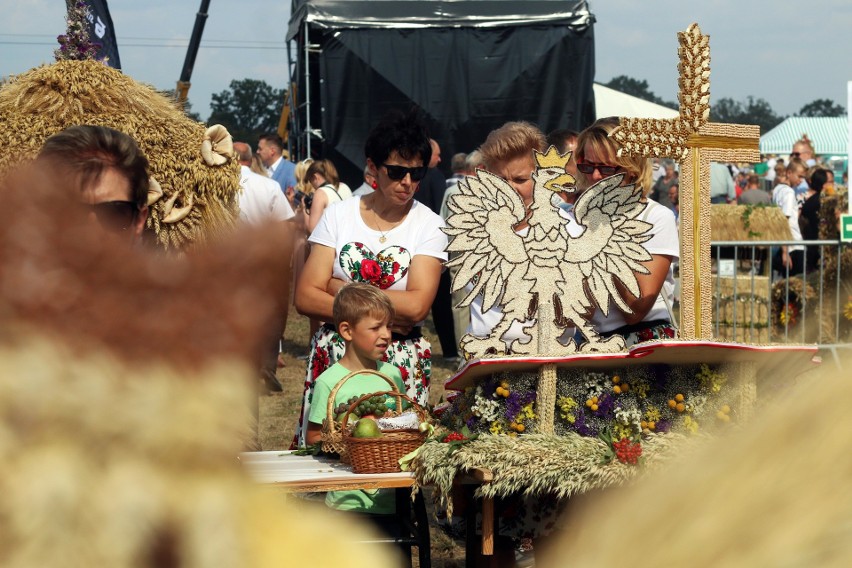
(560, 183)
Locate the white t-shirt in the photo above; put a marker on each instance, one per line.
(664, 240)
(261, 199)
(784, 197)
(342, 228)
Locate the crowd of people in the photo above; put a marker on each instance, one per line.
(795, 183)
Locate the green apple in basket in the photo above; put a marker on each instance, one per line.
(366, 428)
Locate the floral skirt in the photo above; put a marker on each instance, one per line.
(412, 356)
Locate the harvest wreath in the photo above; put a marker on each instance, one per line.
(606, 422)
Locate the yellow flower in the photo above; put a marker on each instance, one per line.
(641, 389)
(847, 310)
(622, 431)
(496, 428)
(690, 424)
(527, 411)
(652, 414)
(566, 406)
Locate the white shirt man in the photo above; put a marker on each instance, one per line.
(260, 197)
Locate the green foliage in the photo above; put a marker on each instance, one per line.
(822, 107)
(248, 109)
(751, 111)
(637, 88)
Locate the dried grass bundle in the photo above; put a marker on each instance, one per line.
(540, 464)
(775, 494)
(748, 223)
(126, 387)
(45, 100)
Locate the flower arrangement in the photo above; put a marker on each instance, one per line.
(789, 297)
(76, 44)
(620, 407)
(497, 406)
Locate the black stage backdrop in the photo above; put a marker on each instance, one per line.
(468, 81)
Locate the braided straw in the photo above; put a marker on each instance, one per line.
(546, 398)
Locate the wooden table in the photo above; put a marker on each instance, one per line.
(304, 474)
(307, 474)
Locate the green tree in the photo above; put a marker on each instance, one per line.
(822, 107)
(637, 88)
(248, 109)
(751, 111)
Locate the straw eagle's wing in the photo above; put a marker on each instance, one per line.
(610, 247)
(483, 242)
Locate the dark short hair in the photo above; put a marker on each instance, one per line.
(404, 133)
(86, 151)
(559, 139)
(272, 138)
(818, 179)
(357, 300)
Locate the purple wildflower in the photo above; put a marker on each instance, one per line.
(606, 407)
(581, 427)
(514, 403)
(663, 426)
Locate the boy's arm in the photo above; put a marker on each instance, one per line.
(314, 433)
(318, 411)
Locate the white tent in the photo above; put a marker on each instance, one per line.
(609, 102)
(828, 134)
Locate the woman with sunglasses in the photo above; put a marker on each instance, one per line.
(386, 239)
(651, 317)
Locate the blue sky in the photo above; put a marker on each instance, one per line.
(786, 52)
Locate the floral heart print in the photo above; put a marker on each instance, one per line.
(382, 269)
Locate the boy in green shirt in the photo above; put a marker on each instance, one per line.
(363, 315)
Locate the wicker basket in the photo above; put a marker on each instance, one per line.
(332, 433)
(382, 454)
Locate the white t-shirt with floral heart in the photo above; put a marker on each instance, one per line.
(362, 257)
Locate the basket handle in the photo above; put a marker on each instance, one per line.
(421, 413)
(333, 394)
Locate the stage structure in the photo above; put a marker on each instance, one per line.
(471, 65)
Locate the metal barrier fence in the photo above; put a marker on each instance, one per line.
(753, 305)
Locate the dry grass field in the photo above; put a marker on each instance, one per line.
(279, 411)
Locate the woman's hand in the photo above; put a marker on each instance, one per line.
(402, 329)
(413, 304)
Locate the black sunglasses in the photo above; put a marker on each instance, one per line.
(589, 168)
(114, 216)
(397, 173)
(795, 154)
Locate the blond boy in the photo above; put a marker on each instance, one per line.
(363, 315)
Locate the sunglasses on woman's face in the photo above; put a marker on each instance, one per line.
(398, 173)
(589, 168)
(114, 216)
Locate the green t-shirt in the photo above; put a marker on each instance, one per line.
(378, 501)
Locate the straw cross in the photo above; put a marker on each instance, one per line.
(694, 142)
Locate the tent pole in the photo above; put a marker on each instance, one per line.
(307, 92)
